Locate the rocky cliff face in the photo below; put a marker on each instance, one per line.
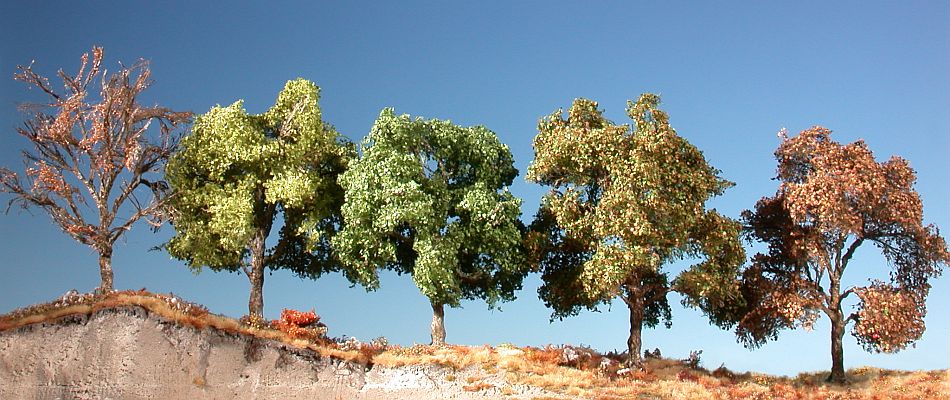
(129, 353)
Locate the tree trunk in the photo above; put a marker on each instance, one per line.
(263, 220)
(438, 324)
(255, 305)
(837, 327)
(837, 350)
(634, 341)
(105, 271)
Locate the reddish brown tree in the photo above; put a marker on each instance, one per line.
(93, 157)
(833, 198)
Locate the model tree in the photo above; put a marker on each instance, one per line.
(624, 202)
(237, 173)
(833, 199)
(97, 159)
(430, 199)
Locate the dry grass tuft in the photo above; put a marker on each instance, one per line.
(564, 370)
(168, 307)
(477, 387)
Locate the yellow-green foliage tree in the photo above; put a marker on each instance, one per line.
(624, 202)
(834, 198)
(237, 173)
(430, 198)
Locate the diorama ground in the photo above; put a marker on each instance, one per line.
(136, 344)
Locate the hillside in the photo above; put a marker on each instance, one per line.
(141, 345)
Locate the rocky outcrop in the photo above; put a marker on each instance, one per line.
(130, 353)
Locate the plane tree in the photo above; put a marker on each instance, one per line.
(429, 198)
(624, 202)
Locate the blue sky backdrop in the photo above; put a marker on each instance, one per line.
(731, 75)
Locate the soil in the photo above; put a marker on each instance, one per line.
(130, 353)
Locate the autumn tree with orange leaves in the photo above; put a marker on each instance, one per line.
(93, 158)
(834, 198)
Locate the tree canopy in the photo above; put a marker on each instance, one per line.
(237, 173)
(430, 198)
(833, 198)
(624, 201)
(95, 167)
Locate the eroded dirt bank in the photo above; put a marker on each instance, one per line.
(130, 353)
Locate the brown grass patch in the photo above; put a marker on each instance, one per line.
(581, 373)
(477, 387)
(167, 307)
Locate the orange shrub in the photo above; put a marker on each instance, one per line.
(299, 325)
(298, 318)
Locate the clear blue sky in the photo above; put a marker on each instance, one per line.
(731, 75)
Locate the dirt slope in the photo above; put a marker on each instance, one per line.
(137, 345)
(130, 353)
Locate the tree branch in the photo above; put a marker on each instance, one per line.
(470, 278)
(27, 75)
(399, 237)
(851, 318)
(825, 303)
(89, 141)
(850, 253)
(846, 293)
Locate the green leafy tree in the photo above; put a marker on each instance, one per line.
(834, 198)
(624, 202)
(430, 199)
(237, 173)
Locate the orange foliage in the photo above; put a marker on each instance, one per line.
(298, 318)
(888, 319)
(297, 324)
(834, 198)
(93, 156)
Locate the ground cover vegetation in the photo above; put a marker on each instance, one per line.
(561, 370)
(429, 198)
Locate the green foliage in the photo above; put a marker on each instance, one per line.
(561, 260)
(624, 201)
(236, 172)
(430, 198)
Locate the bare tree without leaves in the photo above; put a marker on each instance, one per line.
(92, 155)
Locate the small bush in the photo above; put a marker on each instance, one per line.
(693, 361)
(300, 325)
(580, 357)
(549, 355)
(254, 321)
